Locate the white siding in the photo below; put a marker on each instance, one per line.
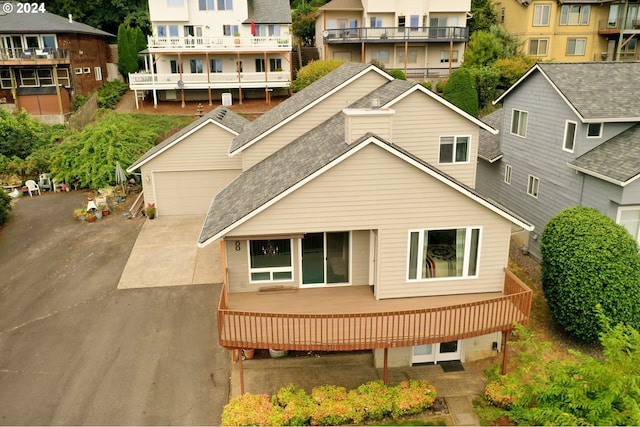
(376, 190)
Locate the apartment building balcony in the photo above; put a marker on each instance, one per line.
(219, 44)
(153, 81)
(34, 56)
(350, 318)
(614, 27)
(396, 35)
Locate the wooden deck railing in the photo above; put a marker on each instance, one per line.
(361, 331)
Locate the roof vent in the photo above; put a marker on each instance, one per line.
(375, 103)
(70, 19)
(221, 114)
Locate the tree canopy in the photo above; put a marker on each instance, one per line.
(314, 71)
(106, 15)
(460, 90)
(483, 16)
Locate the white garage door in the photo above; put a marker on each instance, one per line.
(189, 192)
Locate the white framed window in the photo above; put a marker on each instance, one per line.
(381, 55)
(541, 13)
(375, 21)
(161, 30)
(215, 65)
(533, 186)
(230, 30)
(569, 136)
(442, 253)
(594, 130)
(173, 65)
(576, 46)
(507, 174)
(86, 70)
(402, 23)
(454, 149)
(49, 41)
(28, 77)
(205, 5)
(225, 4)
(173, 31)
(414, 22)
(77, 70)
(519, 121)
(270, 260)
(98, 73)
(45, 76)
(538, 47)
(275, 64)
(444, 56)
(260, 65)
(63, 77)
(575, 14)
(412, 56)
(5, 78)
(629, 218)
(196, 66)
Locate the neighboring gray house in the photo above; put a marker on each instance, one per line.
(570, 134)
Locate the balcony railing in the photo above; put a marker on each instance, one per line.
(397, 34)
(145, 81)
(606, 26)
(218, 44)
(47, 55)
(376, 329)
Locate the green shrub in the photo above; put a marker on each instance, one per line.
(251, 410)
(397, 74)
(79, 101)
(486, 81)
(588, 259)
(297, 405)
(413, 397)
(314, 71)
(427, 84)
(5, 206)
(372, 401)
(440, 85)
(460, 90)
(110, 93)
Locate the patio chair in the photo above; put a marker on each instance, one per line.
(32, 186)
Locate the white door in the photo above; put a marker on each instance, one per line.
(438, 352)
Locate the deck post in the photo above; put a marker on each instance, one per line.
(505, 351)
(239, 353)
(385, 369)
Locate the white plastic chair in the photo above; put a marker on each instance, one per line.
(32, 186)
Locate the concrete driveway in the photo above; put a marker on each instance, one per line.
(166, 254)
(75, 350)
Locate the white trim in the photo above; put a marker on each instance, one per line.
(564, 137)
(307, 107)
(325, 264)
(455, 143)
(533, 180)
(526, 127)
(370, 140)
(508, 171)
(209, 120)
(599, 134)
(270, 270)
(604, 177)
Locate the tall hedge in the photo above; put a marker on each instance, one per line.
(460, 90)
(314, 71)
(588, 259)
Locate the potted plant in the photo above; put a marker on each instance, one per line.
(150, 211)
(237, 35)
(104, 209)
(91, 216)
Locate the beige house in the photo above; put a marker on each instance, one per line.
(183, 173)
(422, 38)
(354, 225)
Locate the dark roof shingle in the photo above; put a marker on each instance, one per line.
(40, 23)
(268, 12)
(488, 143)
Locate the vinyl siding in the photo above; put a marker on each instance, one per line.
(311, 118)
(385, 193)
(419, 123)
(205, 149)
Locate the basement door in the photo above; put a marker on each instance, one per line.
(438, 352)
(325, 258)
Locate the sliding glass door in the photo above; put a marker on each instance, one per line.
(325, 258)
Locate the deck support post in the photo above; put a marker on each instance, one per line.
(385, 369)
(505, 351)
(239, 353)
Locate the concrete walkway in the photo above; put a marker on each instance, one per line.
(166, 254)
(350, 370)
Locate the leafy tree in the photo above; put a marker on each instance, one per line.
(511, 69)
(106, 15)
(487, 81)
(483, 16)
(397, 74)
(303, 20)
(314, 71)
(460, 90)
(89, 156)
(127, 53)
(486, 47)
(20, 134)
(588, 259)
(574, 390)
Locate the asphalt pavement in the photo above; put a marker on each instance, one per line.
(75, 350)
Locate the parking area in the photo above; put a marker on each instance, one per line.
(76, 350)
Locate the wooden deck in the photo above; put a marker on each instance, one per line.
(350, 318)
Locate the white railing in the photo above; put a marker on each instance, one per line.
(230, 43)
(148, 80)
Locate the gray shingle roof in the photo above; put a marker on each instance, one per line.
(598, 90)
(41, 23)
(618, 159)
(269, 12)
(297, 102)
(488, 143)
(343, 5)
(292, 164)
(221, 115)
